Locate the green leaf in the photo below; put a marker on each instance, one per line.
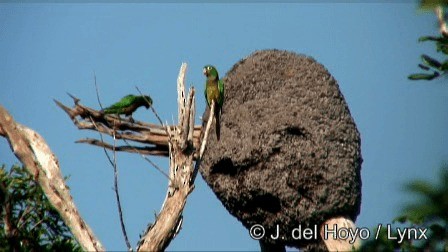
(423, 76)
(426, 68)
(420, 187)
(431, 61)
(400, 219)
(428, 38)
(41, 227)
(442, 47)
(444, 66)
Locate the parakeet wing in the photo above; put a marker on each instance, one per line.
(221, 92)
(124, 102)
(128, 100)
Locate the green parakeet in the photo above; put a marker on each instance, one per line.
(128, 105)
(214, 90)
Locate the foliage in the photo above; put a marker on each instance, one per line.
(385, 243)
(432, 67)
(430, 210)
(28, 220)
(431, 4)
(430, 64)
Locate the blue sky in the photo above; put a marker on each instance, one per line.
(50, 49)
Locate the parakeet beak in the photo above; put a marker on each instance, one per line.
(204, 71)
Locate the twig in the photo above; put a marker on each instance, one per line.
(117, 195)
(104, 148)
(114, 165)
(148, 160)
(161, 123)
(156, 114)
(152, 108)
(154, 151)
(441, 18)
(97, 91)
(37, 224)
(25, 212)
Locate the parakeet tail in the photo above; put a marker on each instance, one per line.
(218, 123)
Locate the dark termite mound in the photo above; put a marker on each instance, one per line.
(290, 152)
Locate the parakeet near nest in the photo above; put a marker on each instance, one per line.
(214, 90)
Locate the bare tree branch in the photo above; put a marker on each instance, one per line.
(155, 151)
(97, 91)
(154, 135)
(148, 160)
(152, 108)
(203, 143)
(181, 152)
(32, 150)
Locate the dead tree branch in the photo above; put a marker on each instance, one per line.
(149, 161)
(203, 144)
(181, 152)
(32, 150)
(153, 136)
(155, 151)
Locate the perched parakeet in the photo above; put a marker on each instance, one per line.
(214, 90)
(128, 105)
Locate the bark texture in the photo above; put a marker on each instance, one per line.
(290, 152)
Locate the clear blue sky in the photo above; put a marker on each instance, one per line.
(50, 49)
